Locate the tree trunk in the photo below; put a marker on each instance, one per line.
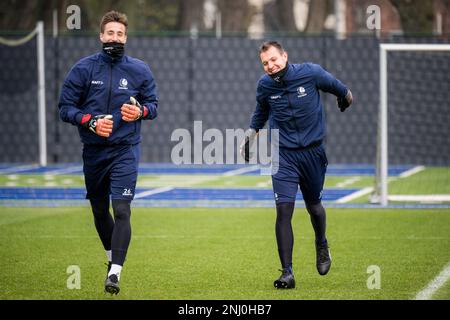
(235, 15)
(446, 18)
(317, 13)
(279, 16)
(18, 15)
(271, 21)
(191, 14)
(416, 16)
(286, 15)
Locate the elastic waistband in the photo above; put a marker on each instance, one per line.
(108, 145)
(308, 147)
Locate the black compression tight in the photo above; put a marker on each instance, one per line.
(318, 221)
(122, 231)
(114, 234)
(103, 221)
(284, 234)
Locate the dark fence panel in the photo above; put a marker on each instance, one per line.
(214, 80)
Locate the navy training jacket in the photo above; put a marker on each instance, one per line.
(293, 105)
(98, 84)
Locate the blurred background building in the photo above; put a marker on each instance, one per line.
(245, 17)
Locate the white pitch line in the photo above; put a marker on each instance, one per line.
(18, 169)
(368, 190)
(240, 171)
(434, 285)
(412, 171)
(153, 191)
(420, 197)
(355, 195)
(348, 182)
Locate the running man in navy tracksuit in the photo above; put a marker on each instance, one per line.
(288, 96)
(107, 95)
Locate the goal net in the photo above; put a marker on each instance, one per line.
(413, 145)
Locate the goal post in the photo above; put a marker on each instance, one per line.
(381, 186)
(41, 94)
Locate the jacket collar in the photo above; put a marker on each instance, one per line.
(285, 76)
(110, 60)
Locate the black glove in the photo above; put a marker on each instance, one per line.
(90, 122)
(342, 104)
(246, 144)
(345, 102)
(246, 152)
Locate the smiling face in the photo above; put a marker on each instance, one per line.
(114, 32)
(273, 60)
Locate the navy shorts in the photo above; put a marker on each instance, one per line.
(110, 170)
(300, 167)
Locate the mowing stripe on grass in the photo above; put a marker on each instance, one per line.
(434, 285)
(144, 203)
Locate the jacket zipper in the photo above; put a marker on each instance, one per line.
(109, 94)
(295, 121)
(110, 85)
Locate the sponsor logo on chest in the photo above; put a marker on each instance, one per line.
(301, 92)
(123, 84)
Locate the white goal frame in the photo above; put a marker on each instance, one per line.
(41, 94)
(382, 160)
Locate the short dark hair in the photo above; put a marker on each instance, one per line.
(113, 16)
(266, 46)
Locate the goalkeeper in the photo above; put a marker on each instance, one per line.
(288, 96)
(107, 95)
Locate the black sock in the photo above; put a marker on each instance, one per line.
(103, 221)
(284, 234)
(122, 231)
(318, 220)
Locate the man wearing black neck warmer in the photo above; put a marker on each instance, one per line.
(288, 96)
(108, 96)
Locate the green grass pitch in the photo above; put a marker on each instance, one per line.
(226, 253)
(222, 253)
